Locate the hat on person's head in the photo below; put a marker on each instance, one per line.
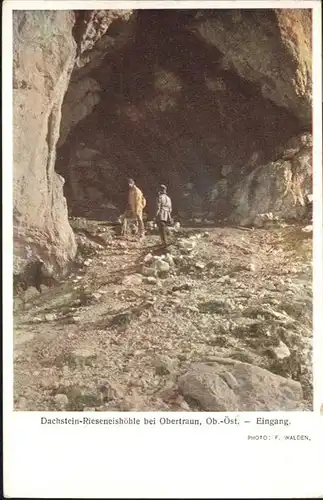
(163, 188)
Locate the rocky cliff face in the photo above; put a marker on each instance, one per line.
(47, 44)
(216, 104)
(44, 54)
(271, 49)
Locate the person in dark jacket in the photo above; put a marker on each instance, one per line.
(163, 213)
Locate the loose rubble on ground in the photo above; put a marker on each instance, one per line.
(219, 321)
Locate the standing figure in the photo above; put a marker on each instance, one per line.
(137, 203)
(164, 213)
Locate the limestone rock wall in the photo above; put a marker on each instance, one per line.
(44, 54)
(47, 47)
(271, 48)
(280, 187)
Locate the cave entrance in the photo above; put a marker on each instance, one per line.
(162, 107)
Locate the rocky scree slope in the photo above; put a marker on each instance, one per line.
(221, 322)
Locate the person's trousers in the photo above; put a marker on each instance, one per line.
(139, 219)
(163, 231)
(141, 225)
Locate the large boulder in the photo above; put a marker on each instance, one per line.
(230, 385)
(43, 58)
(281, 187)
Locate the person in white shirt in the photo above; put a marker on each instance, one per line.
(164, 213)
